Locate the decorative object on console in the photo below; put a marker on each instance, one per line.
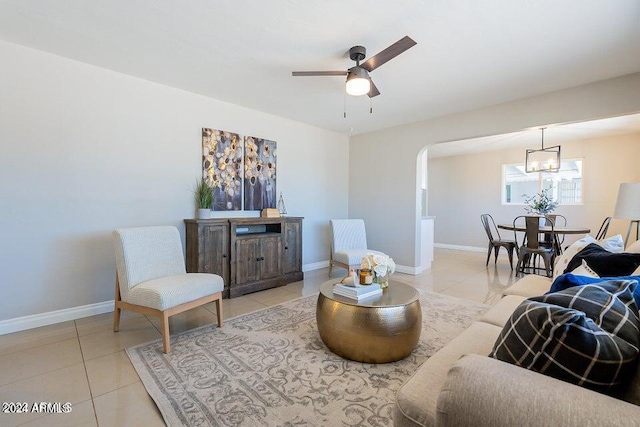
(540, 204)
(382, 266)
(281, 207)
(544, 159)
(221, 166)
(270, 213)
(260, 173)
(204, 199)
(628, 206)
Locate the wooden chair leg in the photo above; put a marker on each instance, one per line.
(165, 332)
(116, 309)
(219, 311)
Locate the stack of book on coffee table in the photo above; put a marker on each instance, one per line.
(357, 292)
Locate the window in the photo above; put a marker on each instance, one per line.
(564, 186)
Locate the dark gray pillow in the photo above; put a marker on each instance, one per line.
(587, 335)
(603, 262)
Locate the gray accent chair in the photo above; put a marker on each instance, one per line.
(348, 244)
(151, 277)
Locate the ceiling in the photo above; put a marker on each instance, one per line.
(470, 53)
(532, 138)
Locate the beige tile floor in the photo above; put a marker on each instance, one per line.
(83, 361)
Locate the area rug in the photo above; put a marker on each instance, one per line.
(270, 368)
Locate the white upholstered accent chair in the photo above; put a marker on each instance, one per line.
(151, 277)
(348, 243)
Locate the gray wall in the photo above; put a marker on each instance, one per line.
(86, 150)
(476, 179)
(383, 165)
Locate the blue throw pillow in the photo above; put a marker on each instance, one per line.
(568, 280)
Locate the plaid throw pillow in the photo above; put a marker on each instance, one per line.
(587, 335)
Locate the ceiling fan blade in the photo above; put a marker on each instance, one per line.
(389, 53)
(318, 73)
(374, 90)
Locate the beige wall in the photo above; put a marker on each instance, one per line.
(463, 187)
(383, 185)
(85, 150)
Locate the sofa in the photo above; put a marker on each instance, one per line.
(461, 386)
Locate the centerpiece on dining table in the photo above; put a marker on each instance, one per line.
(381, 267)
(541, 204)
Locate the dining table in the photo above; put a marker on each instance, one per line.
(558, 229)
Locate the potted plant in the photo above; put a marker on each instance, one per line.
(540, 204)
(204, 199)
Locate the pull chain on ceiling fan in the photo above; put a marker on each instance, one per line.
(358, 80)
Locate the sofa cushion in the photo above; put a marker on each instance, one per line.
(634, 248)
(500, 313)
(605, 263)
(416, 400)
(529, 286)
(587, 335)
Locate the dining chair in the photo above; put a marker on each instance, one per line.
(495, 240)
(530, 248)
(151, 277)
(556, 220)
(602, 232)
(348, 243)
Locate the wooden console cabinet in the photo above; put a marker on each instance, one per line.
(251, 254)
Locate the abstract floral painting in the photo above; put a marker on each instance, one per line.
(222, 168)
(259, 173)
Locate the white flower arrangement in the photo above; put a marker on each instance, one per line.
(379, 264)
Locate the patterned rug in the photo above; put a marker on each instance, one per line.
(270, 368)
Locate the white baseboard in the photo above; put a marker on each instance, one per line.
(459, 247)
(43, 319)
(315, 266)
(414, 271)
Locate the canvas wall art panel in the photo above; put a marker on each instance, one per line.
(259, 173)
(222, 168)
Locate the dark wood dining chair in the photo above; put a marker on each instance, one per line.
(531, 246)
(495, 241)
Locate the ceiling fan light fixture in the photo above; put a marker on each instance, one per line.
(358, 82)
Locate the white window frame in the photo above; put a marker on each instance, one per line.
(503, 191)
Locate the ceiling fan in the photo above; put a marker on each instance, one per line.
(358, 80)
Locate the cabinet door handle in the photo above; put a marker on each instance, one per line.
(286, 247)
(224, 255)
(258, 259)
(261, 258)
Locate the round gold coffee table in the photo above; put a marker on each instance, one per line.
(379, 329)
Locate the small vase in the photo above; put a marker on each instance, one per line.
(204, 213)
(383, 281)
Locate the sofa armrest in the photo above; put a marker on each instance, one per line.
(482, 391)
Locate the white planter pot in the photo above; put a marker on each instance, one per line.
(204, 213)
